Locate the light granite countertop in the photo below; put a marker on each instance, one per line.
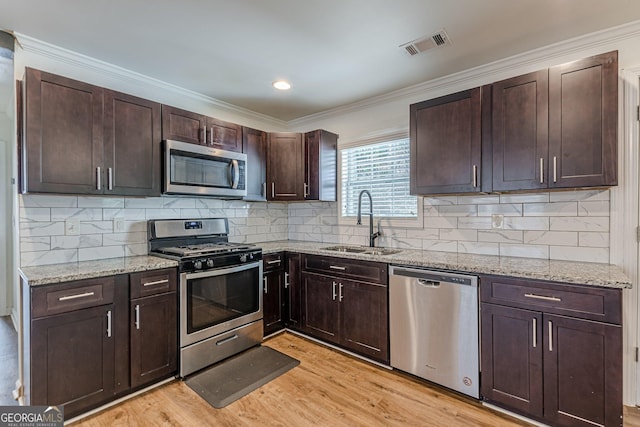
(595, 274)
(56, 273)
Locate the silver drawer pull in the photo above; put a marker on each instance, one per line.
(109, 323)
(535, 332)
(542, 297)
(84, 295)
(226, 340)
(337, 267)
(137, 321)
(277, 261)
(550, 336)
(157, 282)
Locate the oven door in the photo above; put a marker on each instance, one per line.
(215, 301)
(197, 169)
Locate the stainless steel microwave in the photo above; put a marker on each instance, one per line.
(205, 171)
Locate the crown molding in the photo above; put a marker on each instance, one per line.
(114, 72)
(484, 74)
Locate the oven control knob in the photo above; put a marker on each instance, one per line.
(251, 256)
(197, 265)
(243, 258)
(209, 263)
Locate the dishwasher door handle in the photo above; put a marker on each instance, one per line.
(428, 283)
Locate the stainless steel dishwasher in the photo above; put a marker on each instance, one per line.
(434, 327)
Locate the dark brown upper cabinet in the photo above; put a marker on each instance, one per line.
(520, 132)
(445, 135)
(83, 139)
(285, 166)
(187, 126)
(583, 120)
(254, 145)
(321, 160)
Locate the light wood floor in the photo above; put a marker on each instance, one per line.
(328, 388)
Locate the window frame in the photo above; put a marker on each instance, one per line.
(385, 221)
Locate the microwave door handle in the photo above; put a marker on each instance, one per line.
(235, 174)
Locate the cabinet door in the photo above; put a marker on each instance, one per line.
(583, 120)
(512, 358)
(272, 300)
(285, 167)
(223, 135)
(182, 125)
(364, 320)
(445, 136)
(293, 287)
(132, 137)
(583, 372)
(321, 307)
(254, 145)
(154, 329)
(520, 132)
(72, 359)
(320, 151)
(63, 135)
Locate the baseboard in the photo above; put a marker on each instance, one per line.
(514, 415)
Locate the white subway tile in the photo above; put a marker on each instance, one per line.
(31, 229)
(490, 199)
(583, 254)
(524, 198)
(559, 238)
(74, 242)
(528, 251)
(143, 202)
(33, 244)
(444, 200)
(136, 250)
(48, 201)
(505, 209)
(440, 245)
(479, 248)
(100, 202)
(81, 214)
(593, 239)
(114, 239)
(209, 203)
(162, 213)
(575, 195)
(583, 223)
(551, 209)
(500, 236)
(178, 202)
(35, 214)
(477, 222)
(430, 211)
(441, 222)
(103, 252)
(526, 223)
(95, 227)
(127, 214)
(594, 208)
(28, 259)
(458, 234)
(458, 210)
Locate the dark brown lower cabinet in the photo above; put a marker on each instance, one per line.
(293, 291)
(320, 308)
(154, 347)
(552, 351)
(273, 292)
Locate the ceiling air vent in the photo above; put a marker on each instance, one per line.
(425, 43)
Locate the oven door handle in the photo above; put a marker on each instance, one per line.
(223, 271)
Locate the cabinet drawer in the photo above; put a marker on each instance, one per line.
(345, 267)
(586, 302)
(273, 261)
(70, 296)
(153, 282)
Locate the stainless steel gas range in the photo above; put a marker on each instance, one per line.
(220, 288)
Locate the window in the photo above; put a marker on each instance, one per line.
(383, 169)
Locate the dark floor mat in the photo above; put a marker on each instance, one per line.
(228, 381)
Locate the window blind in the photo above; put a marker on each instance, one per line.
(383, 169)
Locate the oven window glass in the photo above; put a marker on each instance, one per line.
(216, 299)
(191, 169)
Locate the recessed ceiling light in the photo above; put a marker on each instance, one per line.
(282, 85)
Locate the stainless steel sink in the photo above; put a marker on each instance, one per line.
(362, 250)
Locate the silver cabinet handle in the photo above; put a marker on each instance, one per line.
(273, 189)
(337, 267)
(535, 332)
(305, 190)
(204, 135)
(109, 323)
(264, 189)
(550, 336)
(541, 170)
(211, 136)
(475, 176)
(98, 179)
(340, 291)
(334, 290)
(555, 169)
(76, 296)
(137, 310)
(286, 280)
(157, 282)
(275, 261)
(266, 284)
(542, 297)
(110, 178)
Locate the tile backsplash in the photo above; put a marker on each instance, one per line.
(567, 225)
(56, 229)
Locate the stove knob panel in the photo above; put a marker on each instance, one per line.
(209, 263)
(197, 265)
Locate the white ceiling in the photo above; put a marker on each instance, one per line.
(334, 52)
